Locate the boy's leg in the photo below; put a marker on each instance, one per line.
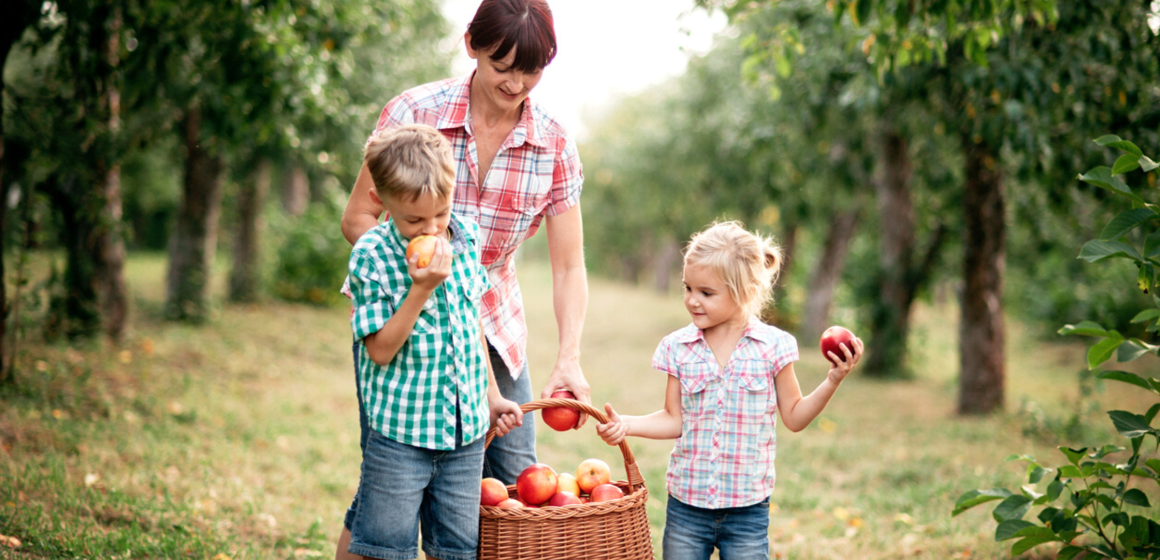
(689, 532)
(744, 533)
(449, 515)
(507, 456)
(394, 479)
(363, 427)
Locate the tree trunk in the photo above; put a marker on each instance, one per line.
(667, 257)
(74, 310)
(296, 192)
(110, 244)
(820, 292)
(890, 314)
(245, 277)
(981, 332)
(191, 248)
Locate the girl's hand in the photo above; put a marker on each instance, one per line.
(613, 431)
(430, 276)
(844, 367)
(505, 415)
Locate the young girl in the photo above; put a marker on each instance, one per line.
(728, 374)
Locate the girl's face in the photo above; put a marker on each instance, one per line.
(498, 83)
(708, 300)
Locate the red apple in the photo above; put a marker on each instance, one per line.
(592, 473)
(492, 492)
(561, 418)
(510, 503)
(564, 499)
(425, 246)
(606, 492)
(536, 484)
(832, 338)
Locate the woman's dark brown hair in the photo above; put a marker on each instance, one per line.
(526, 25)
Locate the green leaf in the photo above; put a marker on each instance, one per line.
(1068, 552)
(1084, 328)
(1153, 464)
(1125, 163)
(1131, 350)
(1136, 497)
(1130, 425)
(1102, 177)
(1069, 471)
(1147, 164)
(1097, 250)
(1126, 221)
(1152, 412)
(975, 497)
(862, 9)
(1007, 529)
(1054, 489)
(1101, 351)
(1032, 537)
(1074, 455)
(1106, 450)
(1013, 507)
(1113, 141)
(1036, 473)
(1146, 315)
(1123, 376)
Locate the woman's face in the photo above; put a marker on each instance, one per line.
(501, 86)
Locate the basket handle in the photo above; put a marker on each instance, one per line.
(635, 480)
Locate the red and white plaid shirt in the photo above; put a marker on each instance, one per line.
(536, 173)
(724, 457)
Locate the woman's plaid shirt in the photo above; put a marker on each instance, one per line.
(412, 400)
(724, 457)
(536, 173)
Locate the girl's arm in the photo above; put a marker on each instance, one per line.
(662, 424)
(362, 212)
(797, 411)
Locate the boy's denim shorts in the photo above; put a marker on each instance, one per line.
(403, 488)
(740, 533)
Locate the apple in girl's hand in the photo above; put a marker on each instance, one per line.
(561, 418)
(832, 338)
(492, 492)
(565, 482)
(536, 484)
(510, 503)
(564, 499)
(425, 246)
(606, 492)
(592, 473)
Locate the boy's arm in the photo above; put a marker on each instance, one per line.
(384, 344)
(797, 411)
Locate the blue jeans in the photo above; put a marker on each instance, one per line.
(740, 533)
(403, 488)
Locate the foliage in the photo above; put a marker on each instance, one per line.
(1096, 492)
(312, 255)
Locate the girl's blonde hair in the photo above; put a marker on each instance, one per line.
(747, 263)
(410, 161)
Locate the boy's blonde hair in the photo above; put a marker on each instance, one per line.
(410, 160)
(747, 263)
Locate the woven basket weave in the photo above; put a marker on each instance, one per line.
(613, 530)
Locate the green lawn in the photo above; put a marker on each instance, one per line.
(239, 439)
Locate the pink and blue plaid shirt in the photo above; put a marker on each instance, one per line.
(536, 173)
(724, 457)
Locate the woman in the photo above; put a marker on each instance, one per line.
(515, 167)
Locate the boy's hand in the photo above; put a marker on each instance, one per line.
(844, 367)
(430, 276)
(613, 431)
(505, 415)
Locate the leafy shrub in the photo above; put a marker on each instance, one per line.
(312, 256)
(1093, 504)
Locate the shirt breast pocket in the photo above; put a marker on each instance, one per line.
(755, 392)
(696, 379)
(426, 335)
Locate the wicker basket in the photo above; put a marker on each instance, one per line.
(614, 530)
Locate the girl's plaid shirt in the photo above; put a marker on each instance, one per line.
(412, 400)
(724, 456)
(536, 173)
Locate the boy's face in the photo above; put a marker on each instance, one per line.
(425, 215)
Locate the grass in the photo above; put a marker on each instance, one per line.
(238, 439)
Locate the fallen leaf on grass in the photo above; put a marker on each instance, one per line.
(841, 513)
(828, 426)
(855, 522)
(904, 518)
(91, 479)
(10, 542)
(126, 357)
(222, 556)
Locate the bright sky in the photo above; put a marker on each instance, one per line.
(606, 48)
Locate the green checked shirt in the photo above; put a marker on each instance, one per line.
(441, 365)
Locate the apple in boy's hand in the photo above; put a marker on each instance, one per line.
(561, 418)
(492, 492)
(425, 246)
(832, 338)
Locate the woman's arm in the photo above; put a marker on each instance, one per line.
(570, 301)
(362, 211)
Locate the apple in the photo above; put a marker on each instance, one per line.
(565, 482)
(592, 473)
(832, 338)
(560, 418)
(425, 246)
(536, 484)
(510, 503)
(606, 492)
(564, 499)
(492, 492)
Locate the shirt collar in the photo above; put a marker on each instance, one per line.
(753, 330)
(456, 113)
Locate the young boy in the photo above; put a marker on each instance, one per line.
(424, 377)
